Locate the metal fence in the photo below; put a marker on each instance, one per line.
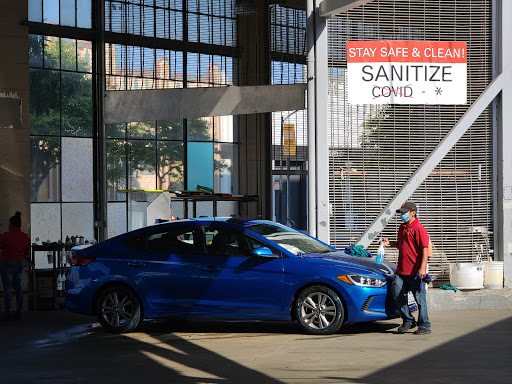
(375, 149)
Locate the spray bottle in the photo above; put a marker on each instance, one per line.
(380, 253)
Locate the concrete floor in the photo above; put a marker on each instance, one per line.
(61, 347)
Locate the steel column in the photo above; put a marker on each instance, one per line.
(310, 35)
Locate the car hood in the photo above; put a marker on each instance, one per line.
(344, 260)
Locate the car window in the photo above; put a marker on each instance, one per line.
(290, 239)
(173, 241)
(224, 242)
(136, 242)
(168, 240)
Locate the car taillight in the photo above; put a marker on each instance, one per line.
(80, 260)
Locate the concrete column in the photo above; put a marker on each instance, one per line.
(503, 183)
(101, 222)
(14, 114)
(255, 129)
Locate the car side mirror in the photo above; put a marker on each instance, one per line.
(262, 251)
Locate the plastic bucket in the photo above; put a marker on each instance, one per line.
(467, 275)
(493, 274)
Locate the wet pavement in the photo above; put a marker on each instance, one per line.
(62, 347)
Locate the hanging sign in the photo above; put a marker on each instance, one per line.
(407, 72)
(289, 142)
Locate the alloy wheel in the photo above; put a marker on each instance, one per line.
(318, 310)
(117, 309)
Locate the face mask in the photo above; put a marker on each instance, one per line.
(405, 217)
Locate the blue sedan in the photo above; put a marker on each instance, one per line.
(226, 268)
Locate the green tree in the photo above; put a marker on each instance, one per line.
(136, 149)
(60, 103)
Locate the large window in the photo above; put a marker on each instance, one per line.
(61, 121)
(158, 57)
(61, 154)
(153, 44)
(145, 50)
(70, 13)
(289, 128)
(171, 155)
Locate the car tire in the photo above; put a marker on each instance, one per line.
(118, 309)
(319, 310)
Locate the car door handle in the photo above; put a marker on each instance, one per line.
(211, 269)
(136, 265)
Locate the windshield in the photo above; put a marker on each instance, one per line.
(290, 239)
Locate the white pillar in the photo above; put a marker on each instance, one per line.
(503, 172)
(322, 140)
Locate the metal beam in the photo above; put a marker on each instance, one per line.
(487, 96)
(330, 8)
(171, 44)
(182, 103)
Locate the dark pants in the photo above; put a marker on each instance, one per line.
(402, 284)
(12, 275)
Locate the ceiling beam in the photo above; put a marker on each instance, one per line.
(182, 103)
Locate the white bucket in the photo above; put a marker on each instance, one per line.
(493, 274)
(467, 275)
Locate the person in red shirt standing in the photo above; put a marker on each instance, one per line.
(413, 251)
(15, 246)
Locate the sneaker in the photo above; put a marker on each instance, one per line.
(17, 315)
(405, 327)
(422, 331)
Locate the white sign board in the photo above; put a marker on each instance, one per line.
(407, 72)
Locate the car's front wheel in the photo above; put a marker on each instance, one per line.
(319, 310)
(118, 309)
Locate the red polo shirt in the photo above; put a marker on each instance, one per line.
(412, 239)
(14, 244)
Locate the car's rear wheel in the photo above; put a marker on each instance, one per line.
(319, 310)
(118, 309)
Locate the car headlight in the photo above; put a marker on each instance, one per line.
(362, 281)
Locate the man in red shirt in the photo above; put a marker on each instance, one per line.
(413, 251)
(14, 245)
